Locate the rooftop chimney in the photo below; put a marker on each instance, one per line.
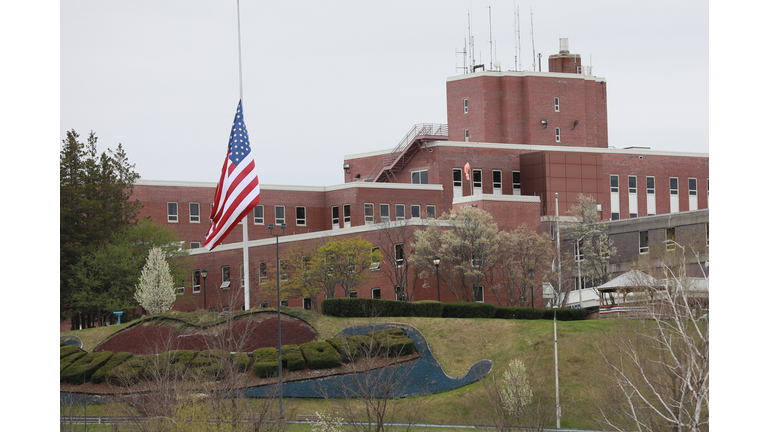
(564, 61)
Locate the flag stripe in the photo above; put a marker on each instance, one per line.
(238, 189)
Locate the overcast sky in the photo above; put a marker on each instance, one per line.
(325, 79)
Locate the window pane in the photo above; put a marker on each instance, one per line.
(258, 214)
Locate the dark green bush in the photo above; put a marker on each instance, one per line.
(68, 350)
(80, 371)
(207, 364)
(131, 371)
(116, 360)
(175, 362)
(293, 360)
(347, 349)
(242, 361)
(519, 313)
(320, 355)
(67, 361)
(265, 362)
(468, 310)
(565, 314)
(394, 342)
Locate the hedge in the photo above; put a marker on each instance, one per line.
(129, 372)
(177, 361)
(320, 355)
(347, 349)
(80, 371)
(67, 361)
(293, 360)
(364, 307)
(116, 360)
(68, 350)
(468, 310)
(265, 362)
(394, 342)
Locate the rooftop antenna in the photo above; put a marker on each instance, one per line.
(532, 44)
(464, 55)
(490, 32)
(517, 35)
(471, 39)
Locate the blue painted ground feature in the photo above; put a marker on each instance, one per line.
(421, 377)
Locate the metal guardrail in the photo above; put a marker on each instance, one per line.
(425, 130)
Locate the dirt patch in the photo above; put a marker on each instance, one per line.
(241, 335)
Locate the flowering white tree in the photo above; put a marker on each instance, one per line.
(155, 291)
(516, 391)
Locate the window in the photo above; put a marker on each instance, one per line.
(614, 183)
(644, 242)
(301, 216)
(399, 255)
(466, 106)
(194, 245)
(353, 294)
(415, 211)
(196, 281)
(374, 264)
(466, 134)
(673, 186)
(632, 184)
(180, 291)
(384, 210)
(578, 250)
(264, 304)
(225, 277)
(557, 134)
(279, 215)
(456, 178)
(516, 184)
(376, 293)
(431, 212)
(283, 270)
(347, 215)
(557, 104)
(307, 303)
(477, 180)
(335, 216)
(670, 238)
(368, 210)
(284, 302)
(692, 186)
(242, 277)
(496, 181)
(173, 212)
(477, 294)
(614, 216)
(262, 272)
(419, 177)
(650, 185)
(194, 212)
(258, 215)
(400, 211)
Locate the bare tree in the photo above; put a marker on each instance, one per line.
(660, 362)
(526, 258)
(394, 237)
(592, 248)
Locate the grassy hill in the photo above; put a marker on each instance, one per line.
(459, 343)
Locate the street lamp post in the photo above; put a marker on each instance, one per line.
(279, 335)
(204, 274)
(557, 379)
(436, 261)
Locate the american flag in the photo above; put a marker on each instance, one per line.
(238, 189)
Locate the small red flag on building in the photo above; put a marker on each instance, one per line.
(238, 189)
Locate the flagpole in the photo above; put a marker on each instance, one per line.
(246, 271)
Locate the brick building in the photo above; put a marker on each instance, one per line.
(525, 136)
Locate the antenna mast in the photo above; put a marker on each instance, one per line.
(490, 33)
(518, 58)
(532, 44)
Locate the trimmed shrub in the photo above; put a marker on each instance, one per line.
(519, 313)
(265, 362)
(468, 310)
(68, 350)
(67, 361)
(176, 361)
(131, 371)
(207, 364)
(80, 371)
(345, 347)
(293, 360)
(394, 342)
(565, 314)
(320, 355)
(116, 360)
(242, 361)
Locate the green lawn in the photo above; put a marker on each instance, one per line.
(459, 343)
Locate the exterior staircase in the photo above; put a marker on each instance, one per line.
(391, 163)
